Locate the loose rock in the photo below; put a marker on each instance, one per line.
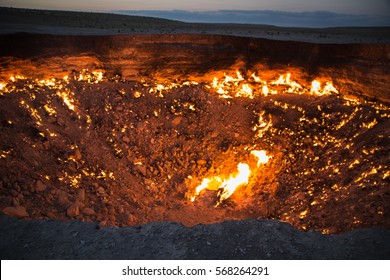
(176, 121)
(88, 211)
(141, 169)
(73, 211)
(18, 211)
(39, 186)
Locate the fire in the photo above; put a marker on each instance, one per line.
(98, 76)
(233, 84)
(2, 85)
(49, 110)
(261, 156)
(316, 88)
(265, 90)
(229, 186)
(255, 78)
(67, 99)
(16, 77)
(245, 91)
(89, 77)
(263, 126)
(47, 82)
(238, 86)
(293, 87)
(226, 187)
(204, 185)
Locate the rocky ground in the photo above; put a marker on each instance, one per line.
(124, 153)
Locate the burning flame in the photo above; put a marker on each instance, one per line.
(229, 186)
(2, 85)
(263, 125)
(67, 99)
(89, 77)
(316, 88)
(226, 187)
(261, 156)
(231, 87)
(231, 83)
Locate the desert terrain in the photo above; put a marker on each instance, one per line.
(82, 23)
(115, 125)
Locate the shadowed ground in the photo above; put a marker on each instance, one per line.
(228, 240)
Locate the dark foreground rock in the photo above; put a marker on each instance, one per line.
(249, 239)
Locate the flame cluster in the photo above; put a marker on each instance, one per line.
(230, 87)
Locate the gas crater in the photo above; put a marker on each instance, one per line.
(128, 130)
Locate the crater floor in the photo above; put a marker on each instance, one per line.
(118, 152)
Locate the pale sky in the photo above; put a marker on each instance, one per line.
(366, 7)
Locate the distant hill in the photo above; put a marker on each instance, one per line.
(78, 19)
(13, 20)
(315, 19)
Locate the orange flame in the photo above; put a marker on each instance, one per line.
(226, 187)
(261, 155)
(231, 87)
(229, 186)
(2, 85)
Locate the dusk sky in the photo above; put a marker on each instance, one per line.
(363, 7)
